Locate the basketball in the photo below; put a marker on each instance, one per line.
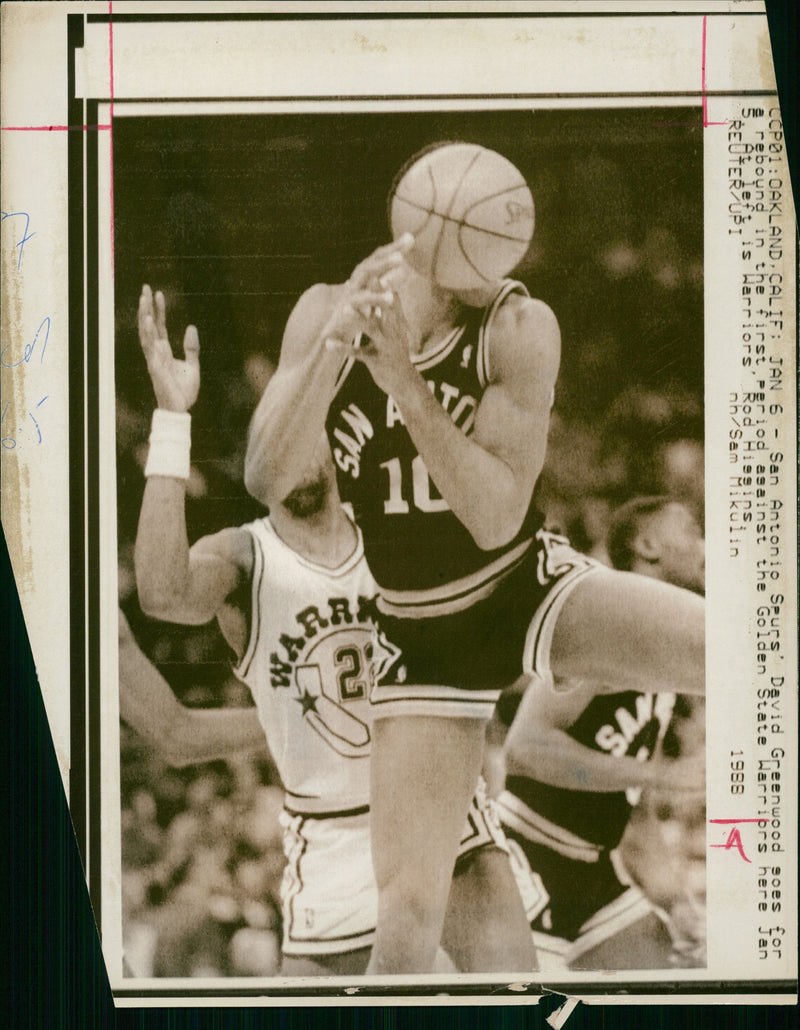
(470, 212)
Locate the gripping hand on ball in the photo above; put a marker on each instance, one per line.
(176, 382)
(385, 346)
(365, 291)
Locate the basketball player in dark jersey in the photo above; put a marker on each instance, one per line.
(576, 763)
(437, 408)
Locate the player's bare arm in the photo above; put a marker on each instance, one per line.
(487, 478)
(538, 746)
(184, 736)
(175, 583)
(290, 417)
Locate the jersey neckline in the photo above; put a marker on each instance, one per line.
(335, 571)
(436, 353)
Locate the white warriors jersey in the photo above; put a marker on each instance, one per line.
(312, 657)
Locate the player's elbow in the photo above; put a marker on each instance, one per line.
(154, 601)
(490, 538)
(181, 741)
(175, 747)
(254, 481)
(498, 526)
(257, 471)
(264, 480)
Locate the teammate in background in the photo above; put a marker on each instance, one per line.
(658, 537)
(576, 763)
(295, 600)
(437, 408)
(184, 736)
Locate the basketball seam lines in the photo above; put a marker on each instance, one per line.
(459, 221)
(469, 260)
(493, 196)
(446, 217)
(433, 202)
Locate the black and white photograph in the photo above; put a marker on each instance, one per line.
(429, 467)
(236, 228)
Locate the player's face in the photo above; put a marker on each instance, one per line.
(682, 554)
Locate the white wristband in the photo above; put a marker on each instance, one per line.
(170, 442)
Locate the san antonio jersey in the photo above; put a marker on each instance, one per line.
(311, 659)
(413, 540)
(581, 824)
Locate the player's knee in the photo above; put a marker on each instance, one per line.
(413, 903)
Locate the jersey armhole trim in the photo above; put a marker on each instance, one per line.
(344, 371)
(483, 366)
(241, 669)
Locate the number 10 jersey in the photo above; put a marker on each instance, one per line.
(413, 540)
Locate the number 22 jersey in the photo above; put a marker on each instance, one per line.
(312, 655)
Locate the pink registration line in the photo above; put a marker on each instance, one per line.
(764, 819)
(52, 128)
(88, 128)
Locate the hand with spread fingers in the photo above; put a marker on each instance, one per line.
(368, 289)
(377, 329)
(176, 382)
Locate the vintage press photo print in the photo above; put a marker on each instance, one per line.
(399, 474)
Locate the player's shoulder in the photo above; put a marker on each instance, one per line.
(233, 544)
(525, 335)
(521, 313)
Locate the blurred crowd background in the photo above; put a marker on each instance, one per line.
(232, 218)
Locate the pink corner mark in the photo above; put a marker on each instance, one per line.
(734, 841)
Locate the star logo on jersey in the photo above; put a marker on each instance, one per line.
(307, 702)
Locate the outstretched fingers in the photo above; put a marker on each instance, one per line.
(145, 319)
(381, 263)
(191, 346)
(161, 314)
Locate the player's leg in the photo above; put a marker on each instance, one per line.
(645, 944)
(423, 775)
(627, 632)
(485, 929)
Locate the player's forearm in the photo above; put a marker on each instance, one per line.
(560, 761)
(208, 734)
(287, 425)
(162, 547)
(479, 487)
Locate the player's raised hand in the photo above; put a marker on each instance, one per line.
(376, 270)
(385, 349)
(367, 290)
(176, 382)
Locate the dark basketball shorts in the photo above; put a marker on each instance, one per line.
(588, 900)
(462, 644)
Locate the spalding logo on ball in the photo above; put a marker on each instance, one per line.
(470, 212)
